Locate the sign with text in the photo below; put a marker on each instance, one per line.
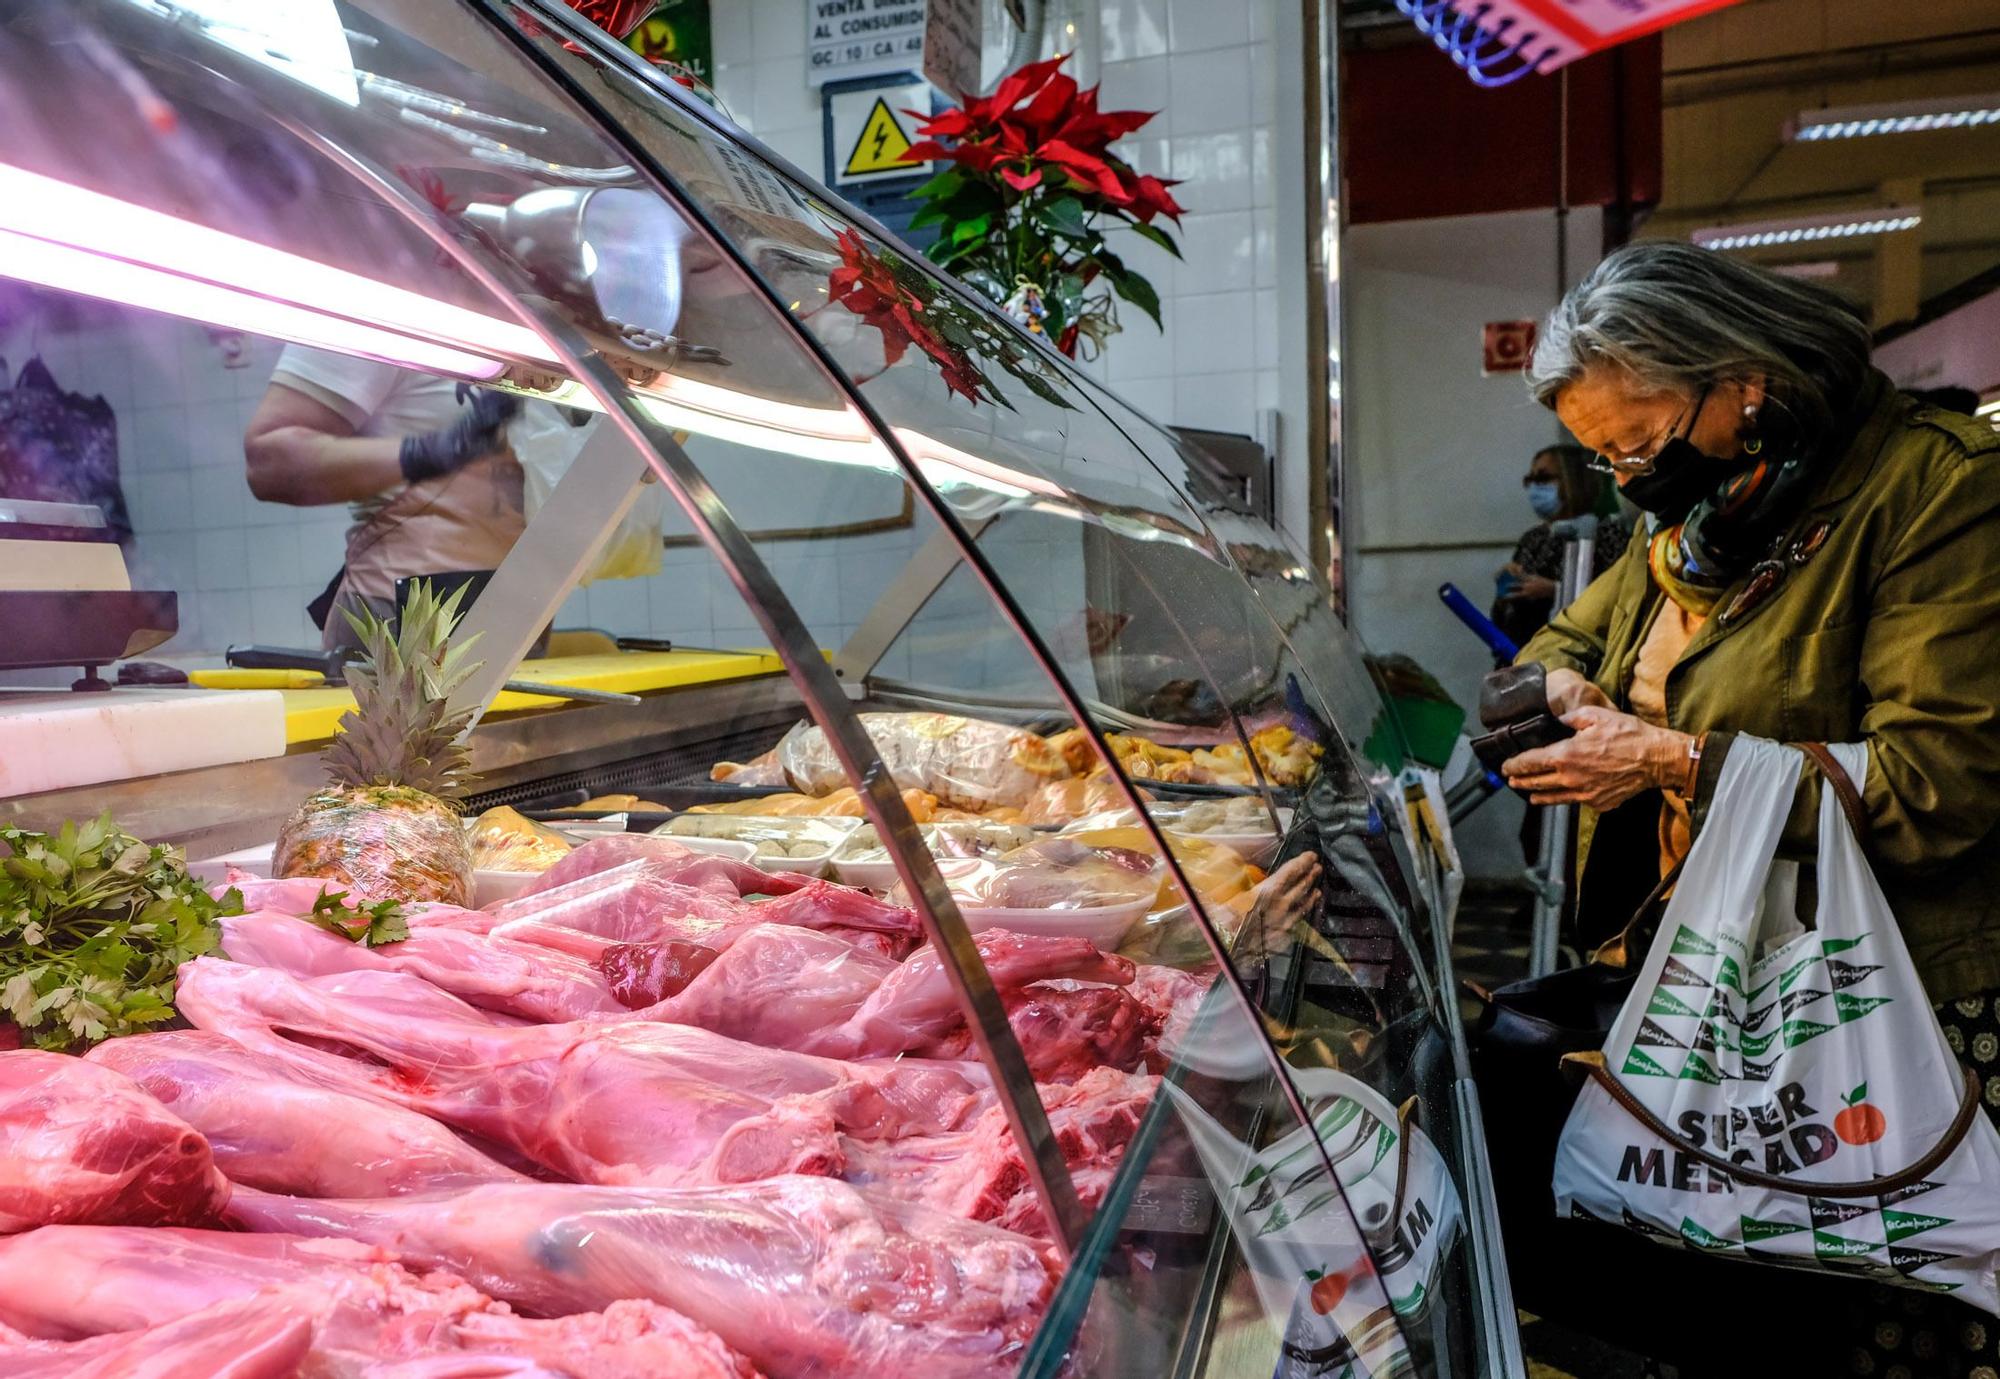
(1555, 32)
(952, 46)
(862, 38)
(1507, 346)
(869, 133)
(677, 32)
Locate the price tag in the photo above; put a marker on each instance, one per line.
(1171, 1206)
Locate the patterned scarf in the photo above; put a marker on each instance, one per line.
(1695, 560)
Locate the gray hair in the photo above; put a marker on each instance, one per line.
(1681, 318)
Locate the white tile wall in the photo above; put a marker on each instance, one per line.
(244, 570)
(1208, 66)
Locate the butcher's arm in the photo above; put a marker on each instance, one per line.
(302, 452)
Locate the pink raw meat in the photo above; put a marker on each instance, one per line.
(258, 1338)
(483, 970)
(642, 900)
(625, 1102)
(671, 861)
(272, 1127)
(977, 1173)
(1064, 1029)
(805, 1276)
(81, 1143)
(798, 989)
(364, 1309)
(1171, 998)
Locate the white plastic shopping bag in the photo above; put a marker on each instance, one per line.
(547, 444)
(1800, 1073)
(1335, 1265)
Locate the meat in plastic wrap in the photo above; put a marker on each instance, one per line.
(504, 840)
(1219, 875)
(1056, 873)
(81, 1143)
(965, 762)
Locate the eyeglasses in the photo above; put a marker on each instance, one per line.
(1635, 465)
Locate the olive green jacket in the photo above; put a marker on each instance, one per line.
(1890, 635)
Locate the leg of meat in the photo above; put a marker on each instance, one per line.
(261, 1338)
(362, 1309)
(778, 985)
(272, 1127)
(488, 972)
(627, 1102)
(805, 1276)
(1064, 1030)
(80, 1143)
(671, 861)
(643, 900)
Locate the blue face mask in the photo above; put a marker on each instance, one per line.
(1545, 497)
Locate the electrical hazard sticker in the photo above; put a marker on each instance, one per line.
(871, 133)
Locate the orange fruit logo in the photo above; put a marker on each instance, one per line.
(1860, 1123)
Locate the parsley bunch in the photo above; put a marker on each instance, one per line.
(371, 926)
(93, 924)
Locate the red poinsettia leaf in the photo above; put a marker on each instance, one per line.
(1014, 139)
(1086, 168)
(929, 151)
(1022, 84)
(1022, 181)
(946, 124)
(1152, 196)
(1050, 105)
(616, 17)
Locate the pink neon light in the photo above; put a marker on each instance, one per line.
(92, 275)
(50, 209)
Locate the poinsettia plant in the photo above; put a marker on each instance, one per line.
(908, 307)
(1032, 187)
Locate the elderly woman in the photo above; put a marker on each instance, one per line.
(1820, 561)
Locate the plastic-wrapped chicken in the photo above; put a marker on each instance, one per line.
(965, 762)
(1056, 873)
(503, 840)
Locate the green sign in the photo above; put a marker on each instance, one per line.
(677, 32)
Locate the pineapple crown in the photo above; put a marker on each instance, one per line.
(402, 729)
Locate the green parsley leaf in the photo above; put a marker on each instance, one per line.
(371, 926)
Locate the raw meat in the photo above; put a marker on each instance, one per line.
(977, 1173)
(258, 1338)
(1064, 1030)
(639, 901)
(626, 1102)
(805, 1276)
(1171, 999)
(272, 1127)
(484, 970)
(644, 974)
(369, 1316)
(916, 1004)
(80, 1143)
(793, 988)
(671, 861)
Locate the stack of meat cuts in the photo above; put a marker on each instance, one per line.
(662, 1116)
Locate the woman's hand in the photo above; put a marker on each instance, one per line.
(1568, 690)
(1613, 757)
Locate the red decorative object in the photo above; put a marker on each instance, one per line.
(867, 285)
(1031, 187)
(1507, 346)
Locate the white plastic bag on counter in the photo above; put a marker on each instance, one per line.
(546, 445)
(1809, 1057)
(965, 762)
(1335, 1267)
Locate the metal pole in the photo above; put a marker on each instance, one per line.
(1549, 876)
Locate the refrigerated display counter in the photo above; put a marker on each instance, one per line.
(1105, 1026)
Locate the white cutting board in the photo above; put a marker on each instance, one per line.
(57, 739)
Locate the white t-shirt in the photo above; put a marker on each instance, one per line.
(377, 399)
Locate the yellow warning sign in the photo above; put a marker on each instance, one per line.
(881, 145)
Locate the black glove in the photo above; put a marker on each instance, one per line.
(476, 432)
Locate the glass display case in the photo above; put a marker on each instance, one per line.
(986, 877)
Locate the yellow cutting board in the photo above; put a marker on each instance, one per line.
(313, 715)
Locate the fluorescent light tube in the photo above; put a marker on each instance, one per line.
(134, 284)
(1896, 117)
(1880, 220)
(60, 212)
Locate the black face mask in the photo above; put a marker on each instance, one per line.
(1681, 476)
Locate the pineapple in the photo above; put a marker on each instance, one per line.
(386, 826)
